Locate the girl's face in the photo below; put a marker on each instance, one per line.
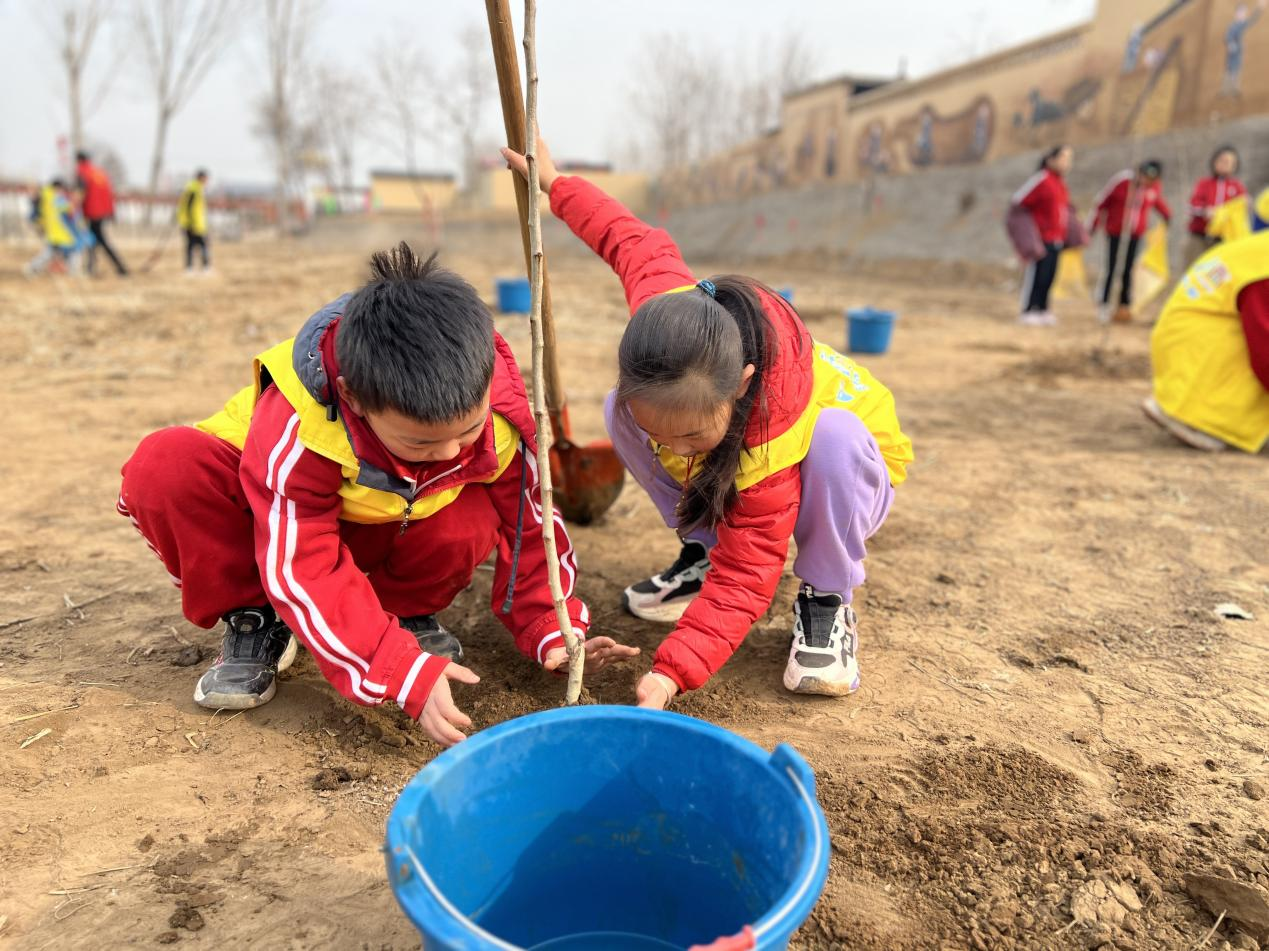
(1061, 163)
(1225, 164)
(689, 433)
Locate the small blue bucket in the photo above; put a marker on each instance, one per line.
(868, 330)
(786, 293)
(604, 828)
(514, 295)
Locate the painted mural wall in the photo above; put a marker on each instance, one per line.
(1139, 67)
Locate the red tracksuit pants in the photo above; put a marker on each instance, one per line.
(181, 491)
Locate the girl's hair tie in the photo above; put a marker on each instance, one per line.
(708, 287)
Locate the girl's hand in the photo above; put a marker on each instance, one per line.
(600, 652)
(547, 172)
(440, 718)
(655, 691)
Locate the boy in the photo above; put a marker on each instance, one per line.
(191, 217)
(1124, 208)
(379, 457)
(99, 207)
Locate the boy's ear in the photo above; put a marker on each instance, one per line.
(348, 396)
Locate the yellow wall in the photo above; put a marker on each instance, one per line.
(495, 189)
(1139, 67)
(400, 194)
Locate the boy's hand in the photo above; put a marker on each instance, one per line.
(440, 717)
(547, 172)
(654, 691)
(600, 652)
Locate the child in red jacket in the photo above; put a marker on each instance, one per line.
(1045, 196)
(1124, 207)
(1220, 185)
(377, 458)
(746, 433)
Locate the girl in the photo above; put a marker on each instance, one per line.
(1124, 208)
(1219, 186)
(745, 432)
(1044, 195)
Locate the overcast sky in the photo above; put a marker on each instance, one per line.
(588, 51)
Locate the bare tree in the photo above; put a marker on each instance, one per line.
(468, 90)
(403, 76)
(75, 27)
(180, 40)
(288, 31)
(341, 119)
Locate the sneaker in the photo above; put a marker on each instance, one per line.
(1036, 318)
(434, 637)
(665, 597)
(256, 647)
(825, 637)
(1186, 434)
(1103, 313)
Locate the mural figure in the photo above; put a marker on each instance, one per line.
(1132, 52)
(873, 155)
(923, 148)
(960, 138)
(982, 129)
(830, 153)
(1244, 20)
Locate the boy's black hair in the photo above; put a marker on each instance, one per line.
(201, 173)
(1151, 168)
(57, 183)
(416, 339)
(82, 156)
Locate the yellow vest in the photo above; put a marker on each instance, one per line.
(838, 383)
(55, 231)
(330, 439)
(1202, 368)
(192, 215)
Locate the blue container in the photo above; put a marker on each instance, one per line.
(603, 828)
(514, 295)
(786, 293)
(868, 330)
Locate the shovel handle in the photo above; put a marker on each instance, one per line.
(502, 34)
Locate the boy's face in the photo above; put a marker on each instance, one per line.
(412, 440)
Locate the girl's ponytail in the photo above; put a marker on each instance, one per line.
(687, 352)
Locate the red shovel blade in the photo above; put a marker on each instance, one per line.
(587, 479)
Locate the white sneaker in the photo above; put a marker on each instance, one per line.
(825, 639)
(1103, 313)
(665, 596)
(1186, 434)
(1033, 318)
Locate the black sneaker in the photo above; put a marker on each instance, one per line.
(434, 637)
(825, 638)
(665, 597)
(256, 646)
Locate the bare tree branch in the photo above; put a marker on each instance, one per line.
(74, 27)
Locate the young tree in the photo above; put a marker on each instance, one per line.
(288, 31)
(342, 118)
(405, 86)
(75, 27)
(180, 40)
(469, 88)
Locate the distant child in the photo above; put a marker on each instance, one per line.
(1220, 185)
(191, 217)
(746, 433)
(1210, 351)
(57, 224)
(1124, 207)
(349, 492)
(1045, 196)
(99, 208)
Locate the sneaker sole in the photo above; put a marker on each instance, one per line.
(665, 613)
(288, 655)
(233, 701)
(1155, 414)
(820, 687)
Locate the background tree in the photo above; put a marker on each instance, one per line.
(180, 40)
(76, 28)
(341, 120)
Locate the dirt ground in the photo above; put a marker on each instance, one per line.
(1053, 720)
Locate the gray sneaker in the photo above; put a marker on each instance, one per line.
(257, 645)
(434, 637)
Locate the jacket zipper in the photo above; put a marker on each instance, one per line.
(409, 506)
(405, 518)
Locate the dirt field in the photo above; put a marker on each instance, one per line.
(1053, 719)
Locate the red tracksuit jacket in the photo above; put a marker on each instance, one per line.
(99, 196)
(1210, 193)
(310, 575)
(753, 540)
(1044, 195)
(1111, 208)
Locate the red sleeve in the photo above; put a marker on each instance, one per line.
(645, 258)
(1253, 307)
(745, 569)
(1199, 199)
(310, 576)
(1162, 204)
(1036, 192)
(531, 619)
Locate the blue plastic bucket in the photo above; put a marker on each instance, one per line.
(868, 330)
(786, 293)
(603, 828)
(514, 296)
